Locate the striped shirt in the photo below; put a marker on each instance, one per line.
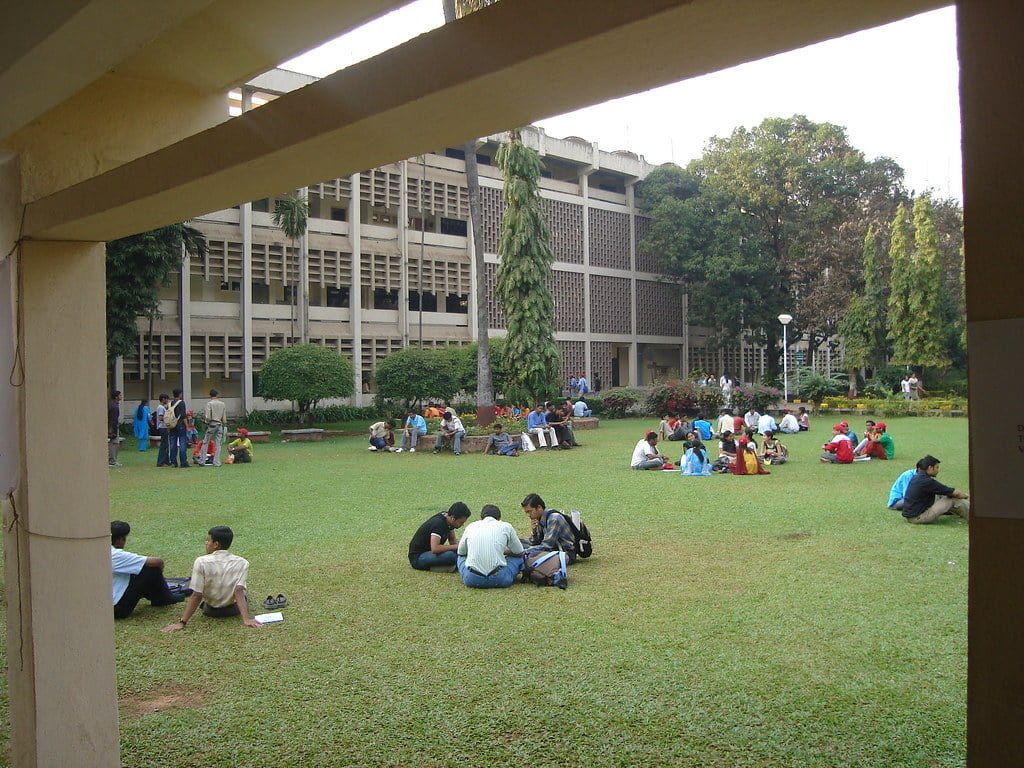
(483, 544)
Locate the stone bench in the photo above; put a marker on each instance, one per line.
(303, 435)
(586, 422)
(256, 437)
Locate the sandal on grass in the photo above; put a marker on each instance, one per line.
(270, 603)
(280, 601)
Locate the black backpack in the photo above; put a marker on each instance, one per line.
(580, 534)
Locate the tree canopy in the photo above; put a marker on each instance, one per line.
(306, 374)
(410, 376)
(137, 267)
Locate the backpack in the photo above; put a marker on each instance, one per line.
(580, 534)
(547, 569)
(171, 416)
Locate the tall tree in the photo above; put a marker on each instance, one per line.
(291, 216)
(901, 287)
(863, 325)
(137, 267)
(484, 385)
(526, 259)
(926, 331)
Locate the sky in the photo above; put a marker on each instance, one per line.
(894, 88)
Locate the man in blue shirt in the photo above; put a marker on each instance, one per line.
(537, 424)
(899, 489)
(704, 427)
(415, 428)
(135, 576)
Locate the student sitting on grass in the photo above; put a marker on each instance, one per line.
(550, 530)
(703, 427)
(501, 443)
(772, 451)
(927, 499)
(135, 576)
(747, 460)
(838, 450)
(435, 543)
(218, 582)
(877, 443)
(899, 489)
(382, 435)
(646, 455)
(695, 461)
(804, 420)
(240, 449)
(490, 553)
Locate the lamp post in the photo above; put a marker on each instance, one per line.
(785, 320)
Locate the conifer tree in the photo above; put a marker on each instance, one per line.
(530, 349)
(901, 287)
(863, 326)
(925, 331)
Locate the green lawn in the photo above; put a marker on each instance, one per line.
(785, 620)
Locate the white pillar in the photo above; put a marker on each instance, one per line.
(355, 294)
(185, 320)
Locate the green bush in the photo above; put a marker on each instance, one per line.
(306, 374)
(756, 396)
(710, 400)
(673, 397)
(814, 387)
(621, 400)
(413, 375)
(331, 414)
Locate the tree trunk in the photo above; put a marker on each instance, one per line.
(484, 385)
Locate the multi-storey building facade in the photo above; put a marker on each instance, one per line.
(387, 262)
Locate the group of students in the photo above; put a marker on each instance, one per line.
(549, 424)
(173, 422)
(922, 499)
(738, 456)
(490, 554)
(844, 448)
(217, 587)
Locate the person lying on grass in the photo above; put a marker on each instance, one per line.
(218, 582)
(435, 542)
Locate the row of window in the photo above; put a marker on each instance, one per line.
(339, 298)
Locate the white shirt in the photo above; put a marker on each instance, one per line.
(216, 575)
(642, 453)
(767, 424)
(160, 411)
(724, 423)
(483, 544)
(751, 417)
(124, 565)
(579, 409)
(453, 426)
(905, 386)
(789, 424)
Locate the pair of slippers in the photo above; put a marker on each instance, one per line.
(275, 603)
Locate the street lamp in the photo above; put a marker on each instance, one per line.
(785, 320)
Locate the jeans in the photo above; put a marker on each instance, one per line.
(456, 440)
(112, 445)
(409, 438)
(214, 434)
(651, 464)
(178, 455)
(378, 443)
(424, 561)
(499, 579)
(164, 449)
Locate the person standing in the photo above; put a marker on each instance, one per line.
(905, 387)
(215, 417)
(926, 499)
(490, 554)
(113, 426)
(582, 385)
(162, 458)
(177, 434)
(140, 424)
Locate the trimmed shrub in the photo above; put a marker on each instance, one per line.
(621, 400)
(413, 375)
(306, 374)
(674, 397)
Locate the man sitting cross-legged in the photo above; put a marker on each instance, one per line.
(135, 576)
(218, 582)
(550, 530)
(490, 553)
(501, 443)
(646, 455)
(435, 542)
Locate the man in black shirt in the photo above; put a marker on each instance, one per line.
(926, 499)
(113, 427)
(435, 542)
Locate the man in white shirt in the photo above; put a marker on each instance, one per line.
(751, 417)
(725, 422)
(135, 576)
(789, 424)
(451, 427)
(766, 423)
(905, 388)
(580, 410)
(646, 455)
(215, 417)
(218, 582)
(490, 552)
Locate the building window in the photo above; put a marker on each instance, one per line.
(429, 302)
(263, 206)
(339, 214)
(289, 295)
(234, 285)
(456, 227)
(457, 303)
(337, 297)
(260, 293)
(385, 299)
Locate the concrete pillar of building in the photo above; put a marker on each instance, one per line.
(585, 194)
(302, 301)
(355, 302)
(245, 309)
(634, 368)
(185, 321)
(992, 110)
(403, 245)
(60, 638)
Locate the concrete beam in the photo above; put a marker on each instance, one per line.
(419, 96)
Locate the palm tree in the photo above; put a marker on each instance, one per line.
(291, 214)
(454, 9)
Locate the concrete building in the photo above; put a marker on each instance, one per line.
(113, 123)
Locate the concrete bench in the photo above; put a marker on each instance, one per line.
(256, 437)
(586, 422)
(303, 435)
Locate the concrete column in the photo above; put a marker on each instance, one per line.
(992, 110)
(355, 301)
(585, 194)
(60, 634)
(403, 245)
(185, 321)
(245, 297)
(302, 300)
(634, 371)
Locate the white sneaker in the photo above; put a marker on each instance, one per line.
(399, 450)
(412, 450)
(372, 448)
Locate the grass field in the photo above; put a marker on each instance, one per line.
(784, 620)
